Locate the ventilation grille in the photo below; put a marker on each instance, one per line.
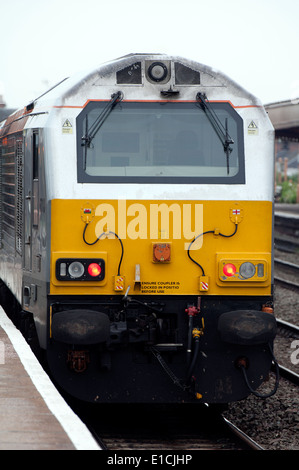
(19, 195)
(11, 193)
(8, 191)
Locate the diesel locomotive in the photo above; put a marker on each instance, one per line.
(136, 230)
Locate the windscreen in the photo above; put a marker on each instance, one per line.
(159, 142)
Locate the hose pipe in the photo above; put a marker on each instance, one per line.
(196, 333)
(257, 394)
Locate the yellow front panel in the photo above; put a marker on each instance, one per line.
(155, 259)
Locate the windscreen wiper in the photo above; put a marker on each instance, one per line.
(220, 130)
(91, 132)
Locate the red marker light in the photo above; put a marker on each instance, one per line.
(94, 269)
(229, 269)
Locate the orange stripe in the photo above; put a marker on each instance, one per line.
(162, 101)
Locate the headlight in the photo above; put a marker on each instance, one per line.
(83, 269)
(247, 270)
(76, 269)
(242, 270)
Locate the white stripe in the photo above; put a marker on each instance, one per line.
(73, 426)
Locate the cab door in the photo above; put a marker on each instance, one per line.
(31, 195)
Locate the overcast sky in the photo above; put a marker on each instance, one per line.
(255, 42)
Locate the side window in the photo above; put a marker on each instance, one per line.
(35, 177)
(35, 153)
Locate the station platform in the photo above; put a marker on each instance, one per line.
(33, 415)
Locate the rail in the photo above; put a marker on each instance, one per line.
(170, 429)
(248, 441)
(286, 231)
(289, 268)
(290, 330)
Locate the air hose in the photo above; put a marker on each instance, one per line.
(185, 385)
(194, 359)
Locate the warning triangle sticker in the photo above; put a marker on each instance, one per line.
(67, 123)
(252, 125)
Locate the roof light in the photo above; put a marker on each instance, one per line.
(157, 71)
(229, 269)
(94, 269)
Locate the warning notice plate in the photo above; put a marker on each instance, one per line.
(252, 127)
(67, 126)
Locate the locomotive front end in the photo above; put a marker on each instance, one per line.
(161, 276)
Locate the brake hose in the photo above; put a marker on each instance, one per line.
(195, 356)
(99, 237)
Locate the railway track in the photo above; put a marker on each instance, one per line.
(294, 286)
(287, 274)
(288, 330)
(286, 231)
(169, 428)
(285, 268)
